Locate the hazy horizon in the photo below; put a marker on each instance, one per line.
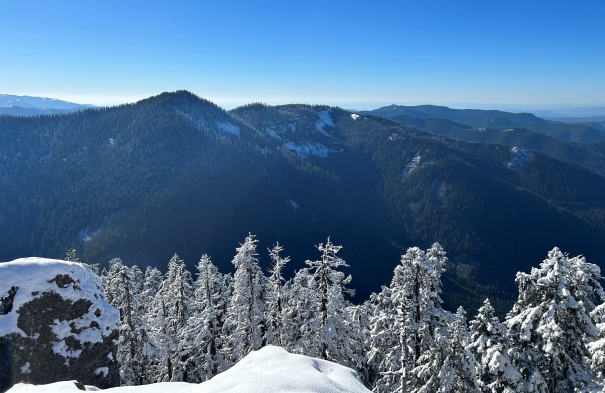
(353, 55)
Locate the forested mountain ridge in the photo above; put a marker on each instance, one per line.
(33, 106)
(495, 119)
(177, 173)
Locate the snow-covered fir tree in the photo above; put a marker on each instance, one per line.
(168, 314)
(409, 321)
(124, 285)
(300, 322)
(201, 336)
(385, 354)
(335, 337)
(276, 297)
(551, 323)
(245, 328)
(490, 343)
(460, 365)
(447, 366)
(597, 347)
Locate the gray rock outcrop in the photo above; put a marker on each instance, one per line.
(55, 325)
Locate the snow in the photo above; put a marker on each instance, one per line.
(518, 158)
(410, 166)
(308, 149)
(270, 369)
(32, 277)
(25, 368)
(293, 204)
(228, 127)
(354, 116)
(272, 133)
(102, 370)
(324, 120)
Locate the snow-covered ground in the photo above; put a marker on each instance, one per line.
(270, 369)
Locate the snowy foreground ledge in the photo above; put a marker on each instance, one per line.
(270, 369)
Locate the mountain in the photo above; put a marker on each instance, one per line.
(495, 119)
(588, 155)
(176, 173)
(570, 113)
(270, 369)
(31, 106)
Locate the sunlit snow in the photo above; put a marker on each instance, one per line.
(324, 120)
(270, 369)
(518, 158)
(35, 275)
(411, 166)
(228, 127)
(293, 204)
(308, 149)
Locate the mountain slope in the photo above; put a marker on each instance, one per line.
(494, 119)
(31, 106)
(588, 155)
(177, 173)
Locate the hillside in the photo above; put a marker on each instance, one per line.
(588, 155)
(35, 106)
(494, 119)
(176, 173)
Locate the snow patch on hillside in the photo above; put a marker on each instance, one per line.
(324, 120)
(411, 166)
(308, 149)
(293, 204)
(228, 127)
(270, 369)
(272, 133)
(518, 158)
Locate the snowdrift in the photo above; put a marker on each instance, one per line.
(270, 369)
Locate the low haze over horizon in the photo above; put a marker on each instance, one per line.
(357, 55)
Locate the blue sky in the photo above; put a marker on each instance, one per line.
(354, 54)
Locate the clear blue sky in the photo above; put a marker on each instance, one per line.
(355, 54)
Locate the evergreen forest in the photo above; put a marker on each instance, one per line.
(180, 326)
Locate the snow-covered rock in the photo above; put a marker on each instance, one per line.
(518, 158)
(270, 369)
(55, 324)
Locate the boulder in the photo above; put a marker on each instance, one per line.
(55, 325)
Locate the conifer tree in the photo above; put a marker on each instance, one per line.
(276, 298)
(335, 337)
(123, 286)
(489, 342)
(244, 329)
(201, 338)
(168, 314)
(412, 308)
(551, 323)
(597, 346)
(300, 315)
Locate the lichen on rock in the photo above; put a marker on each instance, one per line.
(55, 324)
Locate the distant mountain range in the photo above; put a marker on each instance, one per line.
(31, 106)
(495, 120)
(176, 173)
